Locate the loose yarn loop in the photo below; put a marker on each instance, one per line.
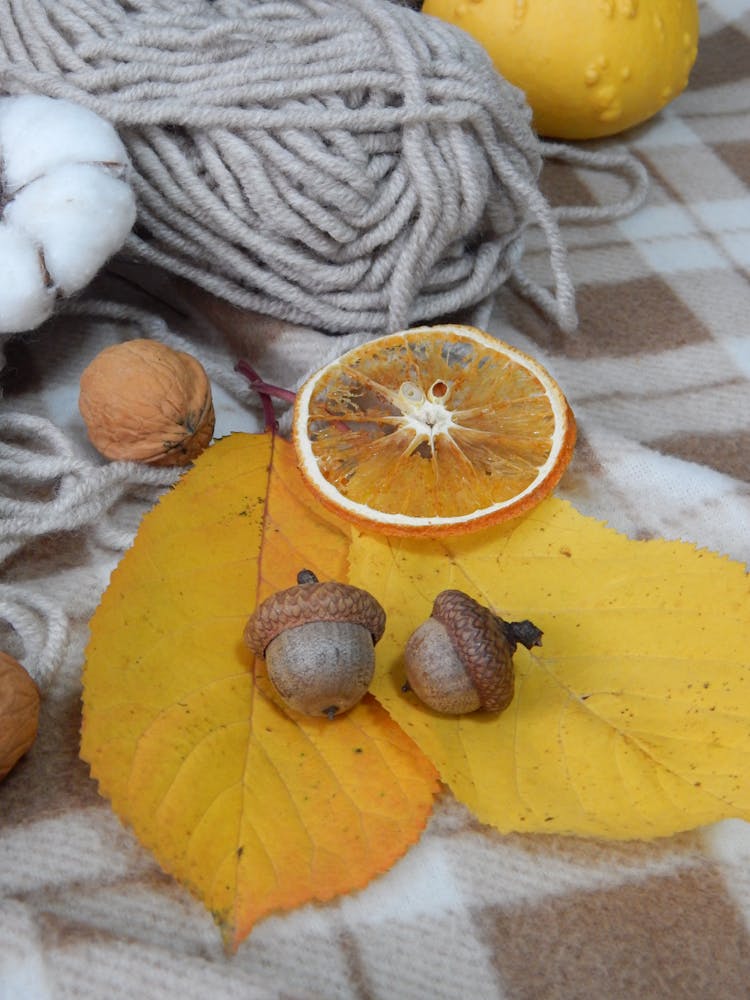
(45, 488)
(69, 492)
(41, 628)
(347, 164)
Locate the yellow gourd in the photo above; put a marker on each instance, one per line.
(589, 68)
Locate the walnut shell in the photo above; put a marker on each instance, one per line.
(141, 401)
(19, 712)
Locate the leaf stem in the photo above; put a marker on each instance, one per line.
(266, 391)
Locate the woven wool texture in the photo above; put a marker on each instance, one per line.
(659, 377)
(344, 163)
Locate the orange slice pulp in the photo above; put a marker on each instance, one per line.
(432, 431)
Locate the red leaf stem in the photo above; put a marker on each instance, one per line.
(266, 391)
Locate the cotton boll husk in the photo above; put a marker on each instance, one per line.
(79, 214)
(39, 133)
(25, 299)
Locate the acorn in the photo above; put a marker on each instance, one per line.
(461, 659)
(318, 642)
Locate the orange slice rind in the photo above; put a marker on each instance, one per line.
(432, 431)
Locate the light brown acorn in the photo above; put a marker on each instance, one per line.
(318, 642)
(461, 659)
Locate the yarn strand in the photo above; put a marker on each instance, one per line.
(345, 164)
(612, 160)
(77, 492)
(349, 165)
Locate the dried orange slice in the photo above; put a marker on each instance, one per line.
(432, 431)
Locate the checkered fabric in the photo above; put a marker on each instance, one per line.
(659, 378)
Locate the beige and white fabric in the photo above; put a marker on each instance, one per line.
(659, 377)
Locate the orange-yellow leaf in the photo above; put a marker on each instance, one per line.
(253, 810)
(633, 718)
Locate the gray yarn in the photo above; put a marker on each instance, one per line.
(47, 489)
(347, 164)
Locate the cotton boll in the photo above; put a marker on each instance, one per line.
(25, 299)
(38, 134)
(79, 214)
(65, 204)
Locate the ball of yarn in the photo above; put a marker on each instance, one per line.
(347, 164)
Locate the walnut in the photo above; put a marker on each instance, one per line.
(144, 402)
(19, 712)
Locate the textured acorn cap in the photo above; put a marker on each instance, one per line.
(313, 602)
(480, 641)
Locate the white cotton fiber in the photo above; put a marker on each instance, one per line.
(80, 215)
(25, 299)
(66, 204)
(38, 134)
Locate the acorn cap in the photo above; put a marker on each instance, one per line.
(480, 641)
(313, 602)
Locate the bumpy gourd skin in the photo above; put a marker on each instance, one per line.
(588, 68)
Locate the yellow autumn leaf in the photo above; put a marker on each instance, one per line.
(253, 810)
(633, 718)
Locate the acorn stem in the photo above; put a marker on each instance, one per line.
(306, 576)
(525, 632)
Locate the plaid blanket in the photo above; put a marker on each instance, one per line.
(659, 377)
